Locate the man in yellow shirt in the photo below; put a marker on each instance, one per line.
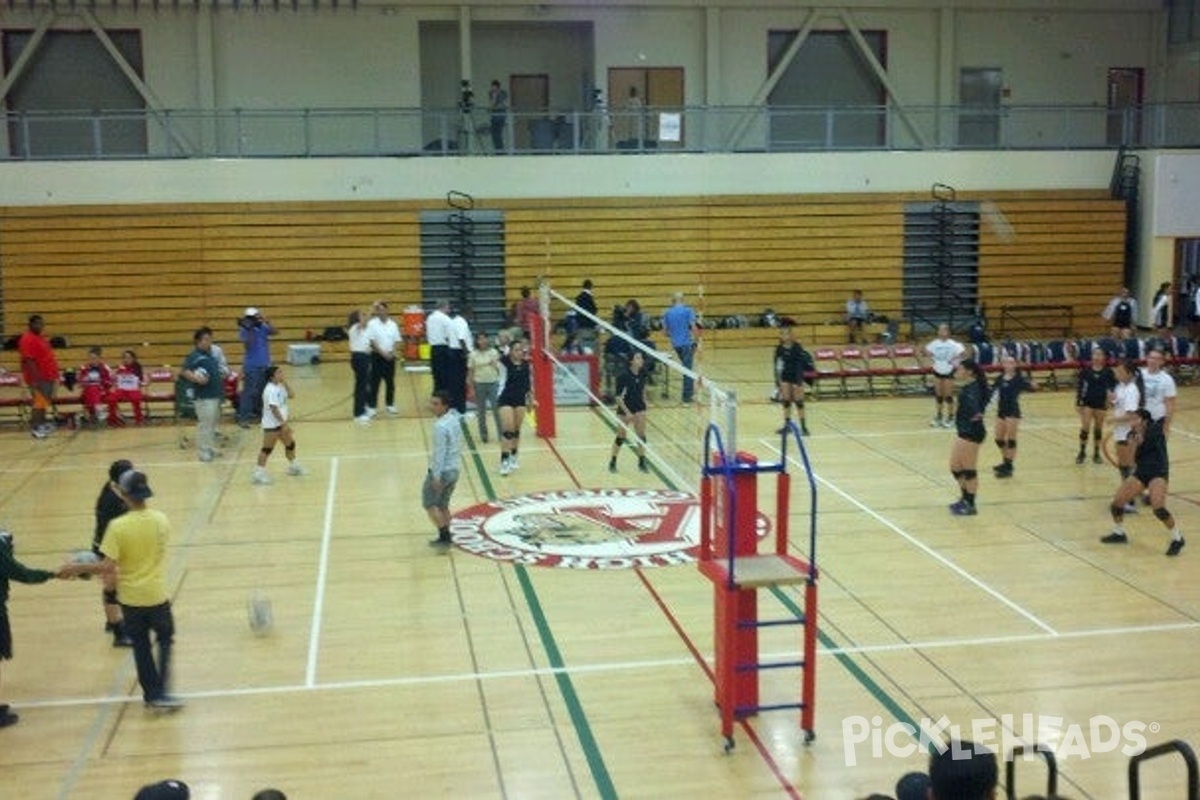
(135, 548)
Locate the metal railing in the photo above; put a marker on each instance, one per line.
(374, 132)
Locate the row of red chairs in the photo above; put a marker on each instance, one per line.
(14, 395)
(905, 368)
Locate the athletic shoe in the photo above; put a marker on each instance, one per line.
(1096, 458)
(612, 466)
(947, 423)
(392, 410)
(1002, 470)
(121, 639)
(363, 419)
(371, 412)
(38, 433)
(440, 543)
(782, 430)
(296, 469)
(804, 430)
(963, 509)
(1079, 459)
(1116, 537)
(505, 468)
(643, 466)
(936, 422)
(165, 702)
(513, 464)
(206, 457)
(8, 718)
(260, 477)
(1175, 546)
(1130, 508)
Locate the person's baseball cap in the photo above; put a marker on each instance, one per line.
(164, 790)
(251, 312)
(134, 484)
(119, 468)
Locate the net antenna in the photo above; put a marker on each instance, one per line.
(675, 438)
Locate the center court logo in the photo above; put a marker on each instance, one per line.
(586, 529)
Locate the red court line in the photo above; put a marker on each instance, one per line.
(673, 621)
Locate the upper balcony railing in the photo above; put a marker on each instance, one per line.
(373, 132)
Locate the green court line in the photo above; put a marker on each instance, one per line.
(583, 730)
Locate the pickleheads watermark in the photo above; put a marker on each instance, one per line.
(864, 737)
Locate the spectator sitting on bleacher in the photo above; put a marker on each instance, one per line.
(128, 382)
(95, 379)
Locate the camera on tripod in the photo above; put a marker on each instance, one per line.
(466, 97)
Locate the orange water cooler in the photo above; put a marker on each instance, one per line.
(413, 331)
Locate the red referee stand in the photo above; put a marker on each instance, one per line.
(543, 378)
(729, 557)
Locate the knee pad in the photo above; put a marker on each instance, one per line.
(515, 434)
(786, 405)
(509, 435)
(266, 451)
(110, 597)
(1000, 443)
(1083, 434)
(617, 442)
(969, 474)
(799, 404)
(957, 473)
(1117, 511)
(1011, 444)
(1162, 514)
(291, 448)
(1125, 471)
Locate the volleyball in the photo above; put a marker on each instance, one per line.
(258, 610)
(83, 557)
(201, 373)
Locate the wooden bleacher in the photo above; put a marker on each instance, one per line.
(144, 276)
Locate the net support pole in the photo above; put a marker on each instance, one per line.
(543, 378)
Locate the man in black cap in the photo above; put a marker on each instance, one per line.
(164, 790)
(134, 547)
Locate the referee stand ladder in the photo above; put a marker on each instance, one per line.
(729, 557)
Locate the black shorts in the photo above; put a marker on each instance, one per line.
(5, 637)
(975, 433)
(510, 401)
(945, 377)
(1145, 476)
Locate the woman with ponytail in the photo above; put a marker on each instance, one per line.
(968, 421)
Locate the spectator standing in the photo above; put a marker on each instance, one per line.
(498, 112)
(39, 368)
(135, 548)
(679, 321)
(360, 364)
(129, 380)
(584, 326)
(202, 371)
(13, 570)
(525, 310)
(483, 371)
(383, 334)
(437, 333)
(858, 314)
(255, 331)
(1121, 313)
(1161, 311)
(444, 458)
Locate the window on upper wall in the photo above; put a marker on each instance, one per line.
(1183, 21)
(94, 108)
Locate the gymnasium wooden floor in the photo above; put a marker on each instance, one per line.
(394, 671)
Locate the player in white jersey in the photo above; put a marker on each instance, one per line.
(275, 426)
(1159, 398)
(945, 354)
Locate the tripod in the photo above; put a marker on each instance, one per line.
(469, 138)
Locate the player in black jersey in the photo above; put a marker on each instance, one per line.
(516, 385)
(631, 406)
(1151, 473)
(968, 421)
(1093, 396)
(1007, 390)
(792, 361)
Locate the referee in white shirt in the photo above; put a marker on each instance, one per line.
(438, 332)
(383, 334)
(360, 363)
(459, 350)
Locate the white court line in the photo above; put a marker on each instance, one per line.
(620, 666)
(929, 551)
(314, 636)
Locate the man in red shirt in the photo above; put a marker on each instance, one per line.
(40, 369)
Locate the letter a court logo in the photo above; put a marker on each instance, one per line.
(586, 529)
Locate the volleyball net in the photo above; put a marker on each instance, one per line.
(675, 431)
